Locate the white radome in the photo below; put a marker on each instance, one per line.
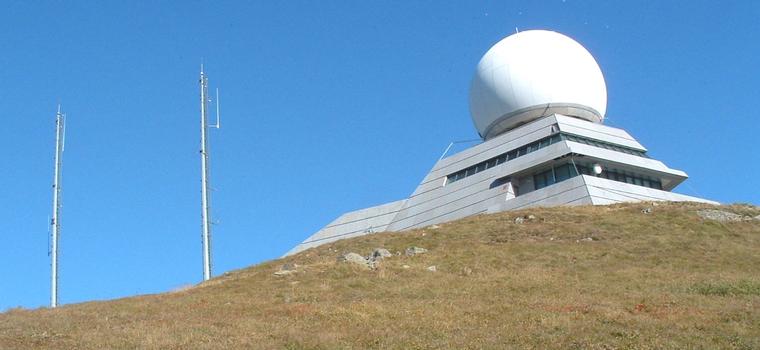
(532, 74)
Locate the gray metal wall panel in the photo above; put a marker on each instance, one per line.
(473, 186)
(492, 148)
(670, 177)
(598, 131)
(606, 191)
(572, 191)
(353, 224)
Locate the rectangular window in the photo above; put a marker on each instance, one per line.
(539, 181)
(562, 173)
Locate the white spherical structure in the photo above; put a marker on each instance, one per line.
(533, 74)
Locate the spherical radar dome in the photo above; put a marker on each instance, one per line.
(532, 74)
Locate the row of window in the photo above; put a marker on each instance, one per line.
(606, 145)
(557, 174)
(535, 146)
(490, 163)
(566, 171)
(631, 179)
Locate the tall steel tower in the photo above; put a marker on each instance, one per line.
(205, 189)
(60, 125)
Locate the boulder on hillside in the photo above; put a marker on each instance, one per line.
(381, 253)
(354, 259)
(412, 251)
(286, 269)
(721, 215)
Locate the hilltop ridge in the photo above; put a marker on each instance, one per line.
(637, 276)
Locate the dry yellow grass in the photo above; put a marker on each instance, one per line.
(663, 280)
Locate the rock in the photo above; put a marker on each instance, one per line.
(412, 251)
(531, 217)
(466, 271)
(287, 269)
(757, 218)
(381, 253)
(432, 268)
(434, 227)
(406, 266)
(647, 210)
(587, 239)
(519, 220)
(720, 215)
(354, 259)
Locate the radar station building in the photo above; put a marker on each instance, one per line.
(538, 100)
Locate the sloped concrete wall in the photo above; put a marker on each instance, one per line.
(436, 201)
(353, 224)
(603, 191)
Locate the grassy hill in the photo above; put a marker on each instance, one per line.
(634, 276)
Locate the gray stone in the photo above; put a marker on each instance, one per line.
(531, 217)
(289, 267)
(381, 253)
(647, 210)
(432, 268)
(286, 269)
(519, 220)
(412, 251)
(719, 215)
(354, 259)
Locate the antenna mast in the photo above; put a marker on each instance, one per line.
(60, 121)
(205, 211)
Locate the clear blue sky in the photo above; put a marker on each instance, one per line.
(327, 106)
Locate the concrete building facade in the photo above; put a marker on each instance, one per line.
(546, 148)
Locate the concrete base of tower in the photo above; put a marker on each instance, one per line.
(551, 161)
(580, 190)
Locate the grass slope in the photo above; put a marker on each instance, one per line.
(666, 279)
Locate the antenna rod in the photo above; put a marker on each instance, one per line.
(205, 217)
(55, 221)
(218, 120)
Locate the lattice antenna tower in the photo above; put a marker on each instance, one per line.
(55, 221)
(205, 185)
